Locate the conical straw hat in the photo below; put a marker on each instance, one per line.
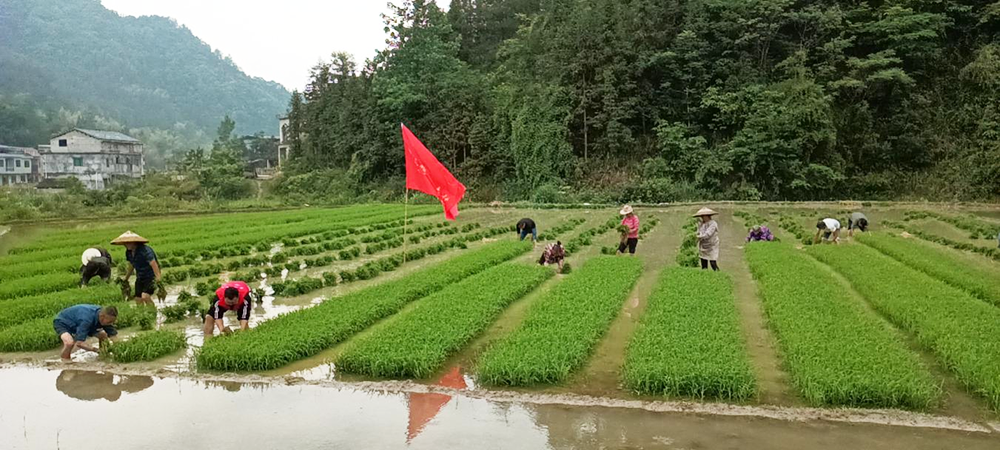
(705, 212)
(129, 237)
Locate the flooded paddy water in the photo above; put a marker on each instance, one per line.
(169, 403)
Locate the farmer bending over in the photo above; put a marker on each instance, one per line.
(858, 221)
(232, 297)
(75, 324)
(142, 260)
(830, 229)
(527, 226)
(760, 233)
(553, 254)
(96, 263)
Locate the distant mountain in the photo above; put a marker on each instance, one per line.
(140, 72)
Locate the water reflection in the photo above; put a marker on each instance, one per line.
(89, 386)
(424, 407)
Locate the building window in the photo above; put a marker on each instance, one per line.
(62, 142)
(107, 162)
(77, 161)
(27, 164)
(1, 162)
(17, 163)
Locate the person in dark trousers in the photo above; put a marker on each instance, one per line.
(708, 239)
(142, 260)
(857, 221)
(231, 296)
(630, 239)
(96, 262)
(525, 227)
(75, 324)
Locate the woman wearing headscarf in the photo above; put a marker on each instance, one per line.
(708, 239)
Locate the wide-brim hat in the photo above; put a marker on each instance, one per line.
(129, 237)
(627, 209)
(705, 212)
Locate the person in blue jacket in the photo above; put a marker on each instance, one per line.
(75, 324)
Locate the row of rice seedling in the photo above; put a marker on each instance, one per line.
(562, 327)
(836, 351)
(940, 263)
(688, 342)
(977, 228)
(145, 346)
(65, 265)
(20, 310)
(587, 237)
(38, 284)
(960, 329)
(687, 255)
(305, 332)
(37, 335)
(416, 343)
(989, 252)
(558, 230)
(793, 226)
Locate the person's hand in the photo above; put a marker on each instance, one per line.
(227, 331)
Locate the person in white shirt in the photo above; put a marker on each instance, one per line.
(830, 229)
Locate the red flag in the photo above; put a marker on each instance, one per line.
(426, 174)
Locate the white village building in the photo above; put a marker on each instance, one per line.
(17, 165)
(97, 158)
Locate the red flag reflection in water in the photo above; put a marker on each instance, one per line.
(424, 407)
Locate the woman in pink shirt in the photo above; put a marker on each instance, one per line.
(631, 221)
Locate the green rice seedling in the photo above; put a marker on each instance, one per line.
(943, 264)
(38, 284)
(567, 268)
(837, 352)
(24, 309)
(130, 315)
(174, 313)
(35, 335)
(145, 346)
(687, 256)
(563, 326)
(204, 288)
(305, 332)
(444, 322)
(688, 343)
(330, 279)
(958, 328)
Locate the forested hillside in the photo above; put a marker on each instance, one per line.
(71, 61)
(659, 100)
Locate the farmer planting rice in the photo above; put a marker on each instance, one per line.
(231, 296)
(708, 239)
(630, 239)
(75, 324)
(96, 262)
(553, 254)
(760, 233)
(858, 221)
(830, 229)
(525, 227)
(142, 260)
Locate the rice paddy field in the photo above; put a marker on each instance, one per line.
(902, 322)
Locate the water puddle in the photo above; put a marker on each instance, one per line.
(90, 409)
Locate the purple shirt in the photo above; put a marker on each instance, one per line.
(763, 235)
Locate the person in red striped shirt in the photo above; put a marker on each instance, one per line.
(232, 296)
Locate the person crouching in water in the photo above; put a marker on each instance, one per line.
(96, 262)
(75, 324)
(553, 254)
(231, 296)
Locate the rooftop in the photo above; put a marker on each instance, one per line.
(106, 135)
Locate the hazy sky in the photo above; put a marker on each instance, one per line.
(274, 40)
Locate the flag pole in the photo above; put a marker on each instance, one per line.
(406, 221)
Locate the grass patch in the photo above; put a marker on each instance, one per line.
(563, 326)
(960, 329)
(688, 342)
(416, 343)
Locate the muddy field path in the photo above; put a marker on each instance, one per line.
(774, 383)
